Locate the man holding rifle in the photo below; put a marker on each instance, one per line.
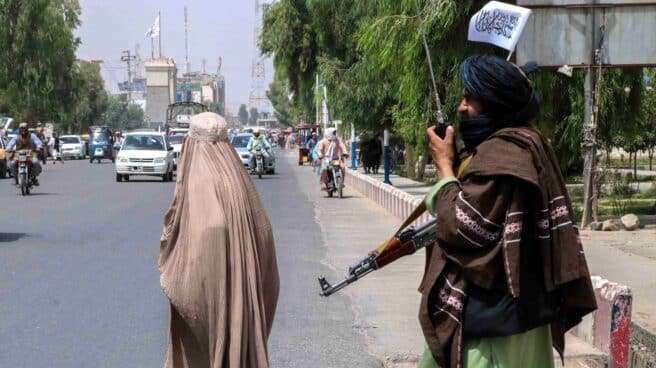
(507, 276)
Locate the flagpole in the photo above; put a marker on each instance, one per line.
(152, 48)
(159, 19)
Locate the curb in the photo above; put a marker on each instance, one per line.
(608, 328)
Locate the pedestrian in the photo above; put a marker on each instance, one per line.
(368, 154)
(54, 147)
(43, 155)
(217, 259)
(376, 152)
(507, 276)
(311, 142)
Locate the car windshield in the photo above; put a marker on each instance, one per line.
(99, 137)
(69, 139)
(240, 141)
(144, 142)
(176, 139)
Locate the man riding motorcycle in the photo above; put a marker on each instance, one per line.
(330, 148)
(257, 140)
(25, 141)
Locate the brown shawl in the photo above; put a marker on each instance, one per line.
(217, 258)
(480, 245)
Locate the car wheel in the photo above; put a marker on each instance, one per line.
(90, 161)
(3, 172)
(119, 178)
(98, 160)
(126, 177)
(113, 160)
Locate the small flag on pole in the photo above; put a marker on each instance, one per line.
(499, 23)
(153, 31)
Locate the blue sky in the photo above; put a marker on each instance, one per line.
(218, 28)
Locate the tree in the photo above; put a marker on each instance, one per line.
(120, 116)
(278, 94)
(92, 101)
(369, 54)
(253, 116)
(37, 65)
(243, 114)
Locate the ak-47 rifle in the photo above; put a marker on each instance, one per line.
(405, 243)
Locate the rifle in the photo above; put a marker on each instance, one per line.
(405, 243)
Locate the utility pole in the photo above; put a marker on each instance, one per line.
(139, 63)
(186, 27)
(591, 107)
(127, 58)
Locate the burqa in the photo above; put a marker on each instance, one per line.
(217, 259)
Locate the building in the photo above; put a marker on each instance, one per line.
(161, 88)
(201, 88)
(138, 94)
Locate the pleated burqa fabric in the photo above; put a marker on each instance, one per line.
(217, 258)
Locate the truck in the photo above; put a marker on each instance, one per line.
(178, 115)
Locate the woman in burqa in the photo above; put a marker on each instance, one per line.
(217, 258)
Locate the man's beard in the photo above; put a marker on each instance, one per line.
(475, 129)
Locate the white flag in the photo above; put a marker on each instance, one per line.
(499, 23)
(153, 31)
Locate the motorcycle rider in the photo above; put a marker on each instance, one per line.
(257, 140)
(25, 141)
(330, 148)
(43, 156)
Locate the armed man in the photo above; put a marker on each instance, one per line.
(507, 276)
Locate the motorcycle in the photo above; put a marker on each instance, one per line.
(24, 178)
(259, 162)
(336, 183)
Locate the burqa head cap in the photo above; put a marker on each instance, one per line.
(208, 126)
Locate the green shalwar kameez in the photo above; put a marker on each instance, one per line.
(529, 349)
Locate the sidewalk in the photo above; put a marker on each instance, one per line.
(386, 302)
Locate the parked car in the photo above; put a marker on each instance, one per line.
(145, 153)
(175, 141)
(72, 146)
(240, 141)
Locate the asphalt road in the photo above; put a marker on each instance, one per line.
(79, 285)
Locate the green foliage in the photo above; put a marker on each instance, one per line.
(278, 94)
(369, 54)
(253, 114)
(121, 117)
(92, 99)
(243, 114)
(37, 63)
(288, 34)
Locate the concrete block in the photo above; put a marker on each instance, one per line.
(630, 222)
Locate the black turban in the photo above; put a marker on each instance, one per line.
(505, 94)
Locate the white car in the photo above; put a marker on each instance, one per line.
(145, 153)
(71, 146)
(175, 141)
